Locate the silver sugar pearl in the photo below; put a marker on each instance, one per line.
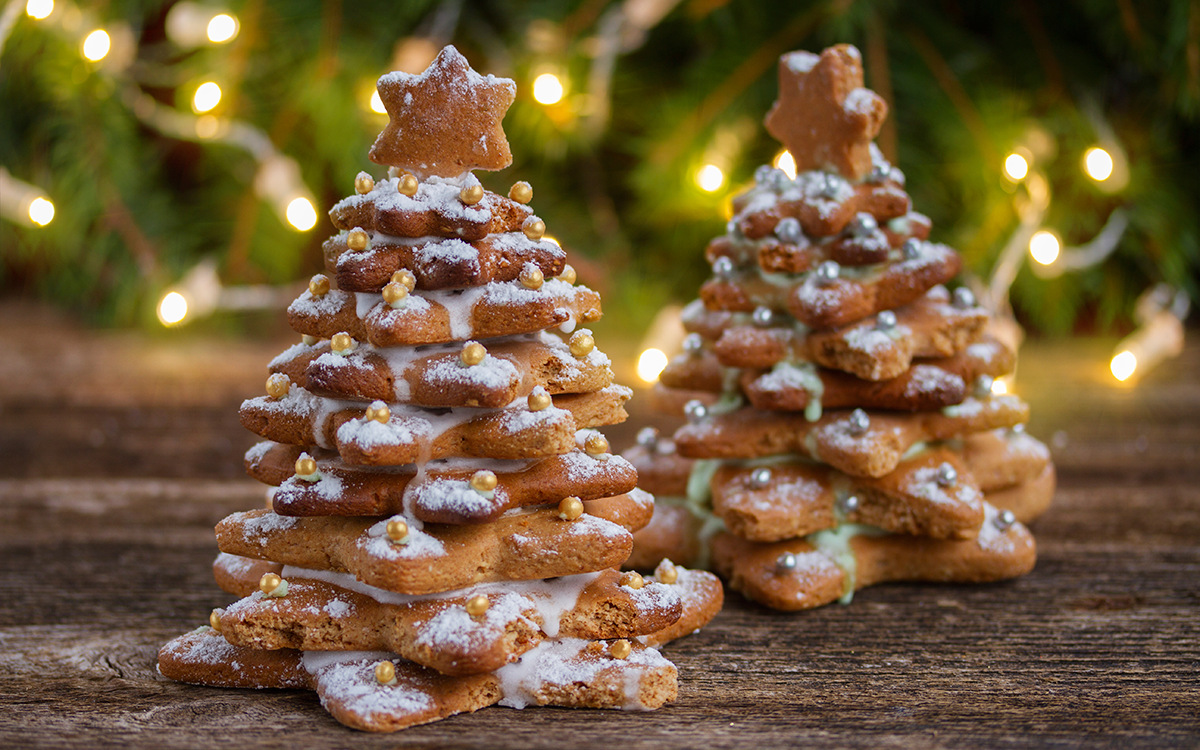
(886, 320)
(863, 225)
(785, 562)
(788, 230)
(879, 173)
(1005, 519)
(983, 386)
(1017, 429)
(763, 316)
(760, 478)
(693, 344)
(647, 437)
(859, 422)
(912, 248)
(695, 410)
(946, 475)
(830, 186)
(964, 297)
(723, 268)
(828, 272)
(847, 505)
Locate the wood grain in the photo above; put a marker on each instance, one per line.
(105, 547)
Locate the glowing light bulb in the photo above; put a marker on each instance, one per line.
(1123, 365)
(301, 214)
(1016, 167)
(1044, 247)
(207, 96)
(785, 161)
(999, 387)
(710, 178)
(222, 28)
(377, 103)
(173, 309)
(41, 211)
(39, 9)
(1098, 164)
(651, 364)
(547, 89)
(96, 45)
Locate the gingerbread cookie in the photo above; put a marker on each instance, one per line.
(856, 442)
(823, 567)
(368, 262)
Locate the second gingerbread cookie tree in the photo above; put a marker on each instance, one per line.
(445, 521)
(844, 423)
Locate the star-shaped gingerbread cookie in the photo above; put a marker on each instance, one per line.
(445, 121)
(824, 116)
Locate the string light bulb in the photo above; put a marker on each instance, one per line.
(1123, 365)
(1044, 247)
(96, 45)
(301, 214)
(651, 364)
(172, 309)
(222, 28)
(39, 9)
(1097, 164)
(547, 89)
(785, 161)
(207, 96)
(1016, 167)
(710, 178)
(41, 211)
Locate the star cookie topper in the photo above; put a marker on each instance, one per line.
(824, 116)
(445, 121)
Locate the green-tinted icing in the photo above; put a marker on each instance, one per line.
(835, 543)
(698, 490)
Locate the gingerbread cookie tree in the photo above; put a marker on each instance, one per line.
(445, 520)
(843, 429)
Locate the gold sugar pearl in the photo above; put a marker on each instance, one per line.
(620, 649)
(471, 194)
(278, 385)
(568, 274)
(305, 466)
(666, 572)
(378, 412)
(341, 342)
(472, 353)
(596, 444)
(477, 605)
(385, 672)
(633, 580)
(534, 228)
(318, 286)
(397, 529)
(484, 481)
(521, 192)
(581, 343)
(408, 185)
(405, 277)
(539, 399)
(570, 508)
(269, 582)
(357, 239)
(394, 293)
(214, 620)
(364, 183)
(532, 277)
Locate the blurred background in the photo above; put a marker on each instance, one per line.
(150, 148)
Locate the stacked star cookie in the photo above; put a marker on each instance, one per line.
(843, 427)
(445, 521)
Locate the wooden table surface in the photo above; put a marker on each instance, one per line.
(122, 451)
